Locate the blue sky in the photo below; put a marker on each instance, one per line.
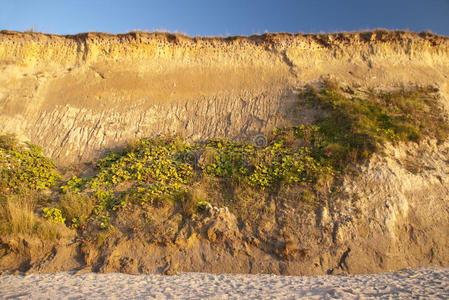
(224, 17)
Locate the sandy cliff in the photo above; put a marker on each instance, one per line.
(79, 95)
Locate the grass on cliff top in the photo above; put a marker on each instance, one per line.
(299, 164)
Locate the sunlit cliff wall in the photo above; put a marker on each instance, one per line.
(78, 96)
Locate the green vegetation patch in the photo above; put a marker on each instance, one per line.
(356, 126)
(265, 168)
(25, 166)
(153, 168)
(24, 173)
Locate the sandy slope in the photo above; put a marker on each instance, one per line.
(430, 283)
(78, 96)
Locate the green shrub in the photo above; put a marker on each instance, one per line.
(74, 185)
(25, 166)
(268, 167)
(150, 170)
(230, 160)
(361, 125)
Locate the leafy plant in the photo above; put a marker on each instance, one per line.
(151, 169)
(25, 166)
(74, 185)
(53, 214)
(267, 167)
(229, 159)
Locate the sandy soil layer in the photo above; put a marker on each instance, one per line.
(430, 283)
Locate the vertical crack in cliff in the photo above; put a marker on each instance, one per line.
(82, 48)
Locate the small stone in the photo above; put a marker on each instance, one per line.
(83, 270)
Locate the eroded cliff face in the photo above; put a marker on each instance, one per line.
(78, 96)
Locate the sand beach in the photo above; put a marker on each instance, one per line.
(428, 283)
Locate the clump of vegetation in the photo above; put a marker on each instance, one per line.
(25, 166)
(148, 171)
(24, 173)
(355, 126)
(149, 168)
(54, 215)
(265, 168)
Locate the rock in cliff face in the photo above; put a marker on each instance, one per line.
(80, 95)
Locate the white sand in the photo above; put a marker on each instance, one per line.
(428, 283)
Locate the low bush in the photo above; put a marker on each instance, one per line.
(25, 166)
(362, 124)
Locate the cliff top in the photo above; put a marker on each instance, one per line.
(326, 39)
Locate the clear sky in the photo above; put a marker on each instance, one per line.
(223, 17)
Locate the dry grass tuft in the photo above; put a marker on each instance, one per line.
(18, 217)
(76, 208)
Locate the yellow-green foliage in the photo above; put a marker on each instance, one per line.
(24, 166)
(152, 168)
(229, 159)
(74, 185)
(53, 215)
(23, 173)
(359, 125)
(265, 167)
